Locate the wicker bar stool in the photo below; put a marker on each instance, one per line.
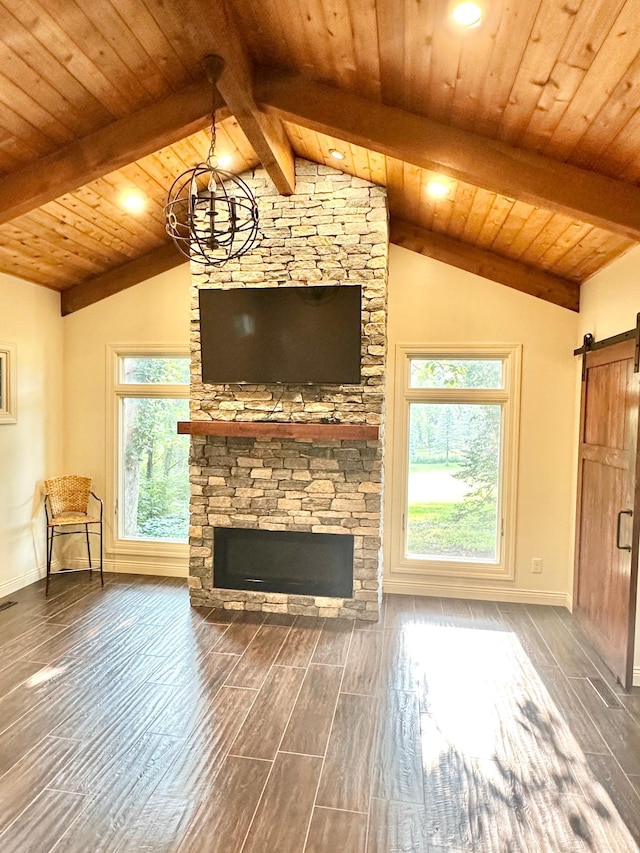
(66, 504)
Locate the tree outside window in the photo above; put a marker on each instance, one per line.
(459, 443)
(153, 458)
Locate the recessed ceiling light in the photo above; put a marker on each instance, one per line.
(225, 161)
(133, 201)
(467, 14)
(337, 155)
(438, 189)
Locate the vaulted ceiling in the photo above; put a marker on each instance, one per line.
(533, 117)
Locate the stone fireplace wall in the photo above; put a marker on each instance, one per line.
(333, 231)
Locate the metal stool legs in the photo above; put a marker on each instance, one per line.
(66, 507)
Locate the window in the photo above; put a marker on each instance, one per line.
(151, 461)
(453, 508)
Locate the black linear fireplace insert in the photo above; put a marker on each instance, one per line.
(283, 561)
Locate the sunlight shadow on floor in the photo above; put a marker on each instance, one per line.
(502, 770)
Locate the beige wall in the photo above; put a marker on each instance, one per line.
(155, 312)
(609, 304)
(429, 303)
(62, 393)
(610, 300)
(30, 449)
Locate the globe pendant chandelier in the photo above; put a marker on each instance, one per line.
(211, 214)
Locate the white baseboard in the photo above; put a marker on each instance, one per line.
(13, 585)
(131, 567)
(171, 570)
(482, 593)
(636, 676)
(159, 568)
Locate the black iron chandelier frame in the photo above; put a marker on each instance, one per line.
(211, 214)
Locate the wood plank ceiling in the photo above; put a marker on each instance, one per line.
(559, 78)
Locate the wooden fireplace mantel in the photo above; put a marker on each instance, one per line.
(273, 429)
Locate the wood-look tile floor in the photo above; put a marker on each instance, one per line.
(130, 722)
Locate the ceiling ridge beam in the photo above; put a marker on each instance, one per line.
(116, 280)
(463, 155)
(265, 133)
(526, 279)
(108, 149)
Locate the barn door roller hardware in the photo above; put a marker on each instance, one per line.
(590, 345)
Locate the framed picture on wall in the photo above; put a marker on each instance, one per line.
(8, 392)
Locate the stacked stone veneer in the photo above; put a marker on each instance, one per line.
(333, 231)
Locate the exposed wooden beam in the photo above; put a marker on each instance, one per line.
(462, 155)
(265, 133)
(94, 289)
(106, 150)
(489, 265)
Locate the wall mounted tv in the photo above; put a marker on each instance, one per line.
(293, 335)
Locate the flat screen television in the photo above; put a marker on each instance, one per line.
(292, 335)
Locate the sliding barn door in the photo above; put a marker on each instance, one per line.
(607, 526)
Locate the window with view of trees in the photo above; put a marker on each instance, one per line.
(458, 442)
(153, 460)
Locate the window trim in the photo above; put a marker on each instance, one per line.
(8, 395)
(116, 391)
(509, 397)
